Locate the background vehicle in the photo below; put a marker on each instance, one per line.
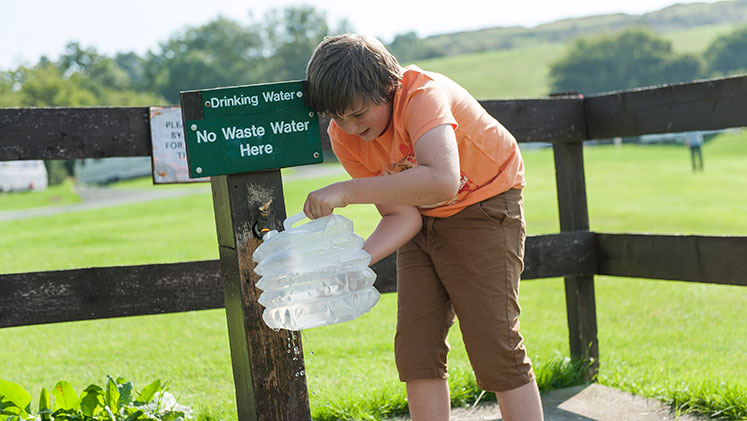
(23, 176)
(108, 170)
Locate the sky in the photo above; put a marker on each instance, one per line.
(32, 28)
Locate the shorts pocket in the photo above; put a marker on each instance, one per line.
(495, 209)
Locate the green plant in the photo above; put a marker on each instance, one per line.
(114, 402)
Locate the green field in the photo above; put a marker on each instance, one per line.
(524, 72)
(680, 342)
(503, 74)
(696, 40)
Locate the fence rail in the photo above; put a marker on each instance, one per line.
(120, 291)
(100, 132)
(706, 105)
(693, 258)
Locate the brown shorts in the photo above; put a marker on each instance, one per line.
(467, 266)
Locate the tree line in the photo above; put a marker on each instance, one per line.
(639, 57)
(224, 52)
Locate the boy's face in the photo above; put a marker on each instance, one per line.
(365, 120)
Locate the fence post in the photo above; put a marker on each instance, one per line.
(579, 290)
(268, 365)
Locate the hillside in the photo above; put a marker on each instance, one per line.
(505, 63)
(501, 74)
(678, 17)
(523, 72)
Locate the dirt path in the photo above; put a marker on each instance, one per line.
(102, 197)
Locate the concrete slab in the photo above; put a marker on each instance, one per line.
(583, 403)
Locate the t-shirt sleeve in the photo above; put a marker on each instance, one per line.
(428, 107)
(347, 159)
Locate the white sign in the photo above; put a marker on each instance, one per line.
(169, 151)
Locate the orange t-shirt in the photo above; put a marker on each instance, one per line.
(489, 157)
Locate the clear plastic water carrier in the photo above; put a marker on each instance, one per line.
(315, 274)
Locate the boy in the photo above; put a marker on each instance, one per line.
(446, 178)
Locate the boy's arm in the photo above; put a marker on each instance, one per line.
(397, 226)
(434, 180)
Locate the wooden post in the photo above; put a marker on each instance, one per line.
(268, 367)
(579, 290)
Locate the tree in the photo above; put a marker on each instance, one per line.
(44, 85)
(223, 52)
(8, 98)
(134, 65)
(219, 53)
(81, 77)
(407, 47)
(103, 77)
(728, 53)
(290, 36)
(99, 71)
(630, 59)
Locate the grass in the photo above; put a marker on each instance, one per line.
(697, 39)
(680, 342)
(502, 74)
(61, 194)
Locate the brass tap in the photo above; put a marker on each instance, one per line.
(261, 227)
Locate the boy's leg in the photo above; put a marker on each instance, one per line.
(480, 265)
(429, 399)
(424, 316)
(522, 403)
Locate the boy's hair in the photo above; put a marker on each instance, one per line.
(348, 68)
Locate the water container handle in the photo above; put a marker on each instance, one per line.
(288, 223)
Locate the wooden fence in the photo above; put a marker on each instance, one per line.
(575, 253)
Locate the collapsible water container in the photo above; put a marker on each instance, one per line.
(315, 274)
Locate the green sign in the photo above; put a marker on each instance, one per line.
(252, 128)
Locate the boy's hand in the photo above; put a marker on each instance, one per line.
(323, 201)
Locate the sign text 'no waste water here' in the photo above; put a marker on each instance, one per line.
(252, 128)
